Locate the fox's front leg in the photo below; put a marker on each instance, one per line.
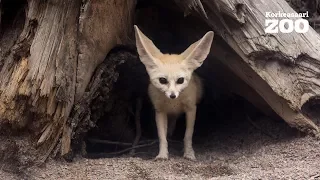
(162, 125)
(190, 121)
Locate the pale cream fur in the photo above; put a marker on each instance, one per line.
(189, 97)
(186, 94)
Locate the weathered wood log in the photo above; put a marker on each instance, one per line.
(116, 85)
(51, 49)
(47, 66)
(282, 68)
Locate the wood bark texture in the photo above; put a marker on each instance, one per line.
(47, 66)
(282, 68)
(50, 51)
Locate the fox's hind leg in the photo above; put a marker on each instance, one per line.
(162, 125)
(190, 121)
(172, 121)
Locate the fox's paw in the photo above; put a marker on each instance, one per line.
(190, 155)
(161, 157)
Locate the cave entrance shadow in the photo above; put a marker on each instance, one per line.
(226, 123)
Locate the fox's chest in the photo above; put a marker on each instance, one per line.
(170, 106)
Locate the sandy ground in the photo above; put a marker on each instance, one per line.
(240, 151)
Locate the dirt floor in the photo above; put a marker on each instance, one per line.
(264, 149)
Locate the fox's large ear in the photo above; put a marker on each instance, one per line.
(147, 51)
(198, 51)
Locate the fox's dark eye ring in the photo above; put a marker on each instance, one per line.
(163, 80)
(180, 80)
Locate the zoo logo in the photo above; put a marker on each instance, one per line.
(286, 25)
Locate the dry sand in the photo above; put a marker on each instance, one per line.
(240, 151)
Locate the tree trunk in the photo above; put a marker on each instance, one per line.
(51, 49)
(282, 68)
(47, 64)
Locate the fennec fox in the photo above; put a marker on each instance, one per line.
(174, 88)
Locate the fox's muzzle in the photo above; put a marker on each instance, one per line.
(172, 95)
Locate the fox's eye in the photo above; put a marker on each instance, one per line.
(180, 81)
(163, 80)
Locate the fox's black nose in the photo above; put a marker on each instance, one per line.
(172, 96)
